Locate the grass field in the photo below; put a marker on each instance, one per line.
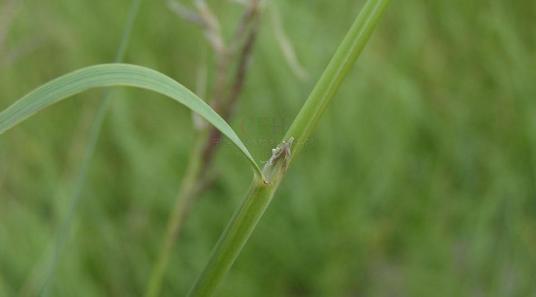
(421, 180)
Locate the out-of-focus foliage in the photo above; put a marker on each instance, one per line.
(427, 188)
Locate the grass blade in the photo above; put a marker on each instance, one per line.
(109, 75)
(94, 135)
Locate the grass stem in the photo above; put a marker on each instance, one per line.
(178, 216)
(261, 193)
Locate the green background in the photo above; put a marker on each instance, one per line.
(420, 181)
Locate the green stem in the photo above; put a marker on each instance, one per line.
(235, 237)
(183, 202)
(330, 81)
(261, 193)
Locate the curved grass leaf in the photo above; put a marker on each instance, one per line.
(108, 75)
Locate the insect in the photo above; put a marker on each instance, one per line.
(282, 151)
(280, 156)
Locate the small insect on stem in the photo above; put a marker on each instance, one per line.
(278, 162)
(282, 151)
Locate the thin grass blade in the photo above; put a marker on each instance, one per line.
(94, 135)
(110, 75)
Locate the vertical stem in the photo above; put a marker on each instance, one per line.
(182, 205)
(260, 194)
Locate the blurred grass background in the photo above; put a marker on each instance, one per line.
(421, 180)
